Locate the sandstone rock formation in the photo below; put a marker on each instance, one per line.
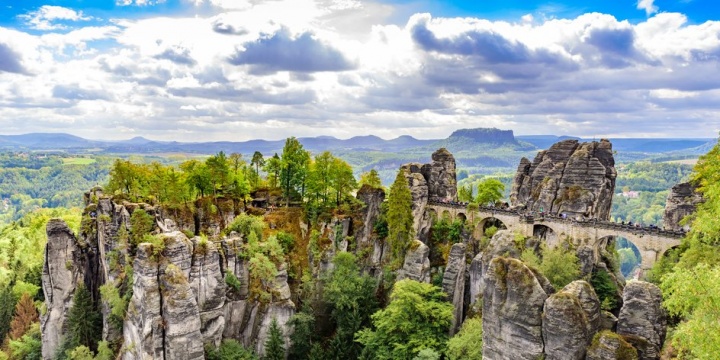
(63, 272)
(608, 345)
(436, 181)
(417, 264)
(642, 318)
(571, 178)
(564, 327)
(501, 244)
(373, 199)
(682, 201)
(453, 283)
(589, 302)
(440, 176)
(512, 312)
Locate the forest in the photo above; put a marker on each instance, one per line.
(347, 311)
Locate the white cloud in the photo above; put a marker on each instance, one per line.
(138, 2)
(648, 6)
(43, 18)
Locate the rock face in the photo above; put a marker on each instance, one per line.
(440, 176)
(501, 244)
(682, 201)
(571, 318)
(417, 263)
(564, 327)
(454, 283)
(436, 181)
(180, 298)
(570, 177)
(607, 345)
(642, 319)
(63, 271)
(513, 301)
(373, 199)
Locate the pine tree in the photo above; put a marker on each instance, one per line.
(25, 315)
(83, 322)
(275, 344)
(6, 310)
(400, 217)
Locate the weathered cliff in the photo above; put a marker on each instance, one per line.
(682, 201)
(574, 178)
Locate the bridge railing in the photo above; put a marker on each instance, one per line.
(591, 223)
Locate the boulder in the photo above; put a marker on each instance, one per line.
(513, 301)
(642, 318)
(589, 302)
(453, 283)
(682, 201)
(574, 178)
(607, 345)
(417, 263)
(564, 327)
(63, 271)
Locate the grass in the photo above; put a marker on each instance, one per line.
(78, 161)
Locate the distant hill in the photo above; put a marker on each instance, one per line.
(544, 141)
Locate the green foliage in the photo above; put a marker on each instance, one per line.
(694, 294)
(22, 244)
(232, 281)
(141, 224)
(80, 353)
(444, 231)
(628, 260)
(351, 296)
(245, 224)
(29, 346)
(287, 241)
(399, 217)
(467, 344)
(372, 179)
(118, 304)
(303, 335)
(8, 302)
(84, 324)
(491, 231)
(229, 349)
(295, 161)
(427, 354)
(275, 344)
(560, 266)
(605, 288)
(647, 209)
(490, 191)
(104, 352)
(466, 193)
(417, 318)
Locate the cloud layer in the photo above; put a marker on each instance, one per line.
(270, 69)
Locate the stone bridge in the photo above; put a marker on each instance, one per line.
(651, 242)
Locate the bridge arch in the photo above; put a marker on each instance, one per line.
(461, 216)
(547, 234)
(486, 223)
(446, 215)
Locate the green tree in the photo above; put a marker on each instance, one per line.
(351, 296)
(229, 349)
(560, 266)
(342, 179)
(258, 160)
(274, 166)
(219, 171)
(141, 224)
(198, 177)
(399, 217)
(275, 344)
(84, 324)
(295, 161)
(29, 346)
(6, 310)
(418, 317)
(465, 193)
(490, 191)
(303, 335)
(467, 344)
(371, 178)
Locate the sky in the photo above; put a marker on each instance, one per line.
(234, 70)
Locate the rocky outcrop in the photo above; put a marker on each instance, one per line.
(642, 318)
(208, 284)
(180, 316)
(589, 302)
(441, 177)
(574, 178)
(513, 301)
(564, 327)
(63, 271)
(436, 181)
(501, 244)
(453, 283)
(419, 191)
(682, 201)
(417, 264)
(608, 345)
(373, 199)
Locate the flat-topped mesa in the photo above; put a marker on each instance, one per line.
(574, 178)
(682, 201)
